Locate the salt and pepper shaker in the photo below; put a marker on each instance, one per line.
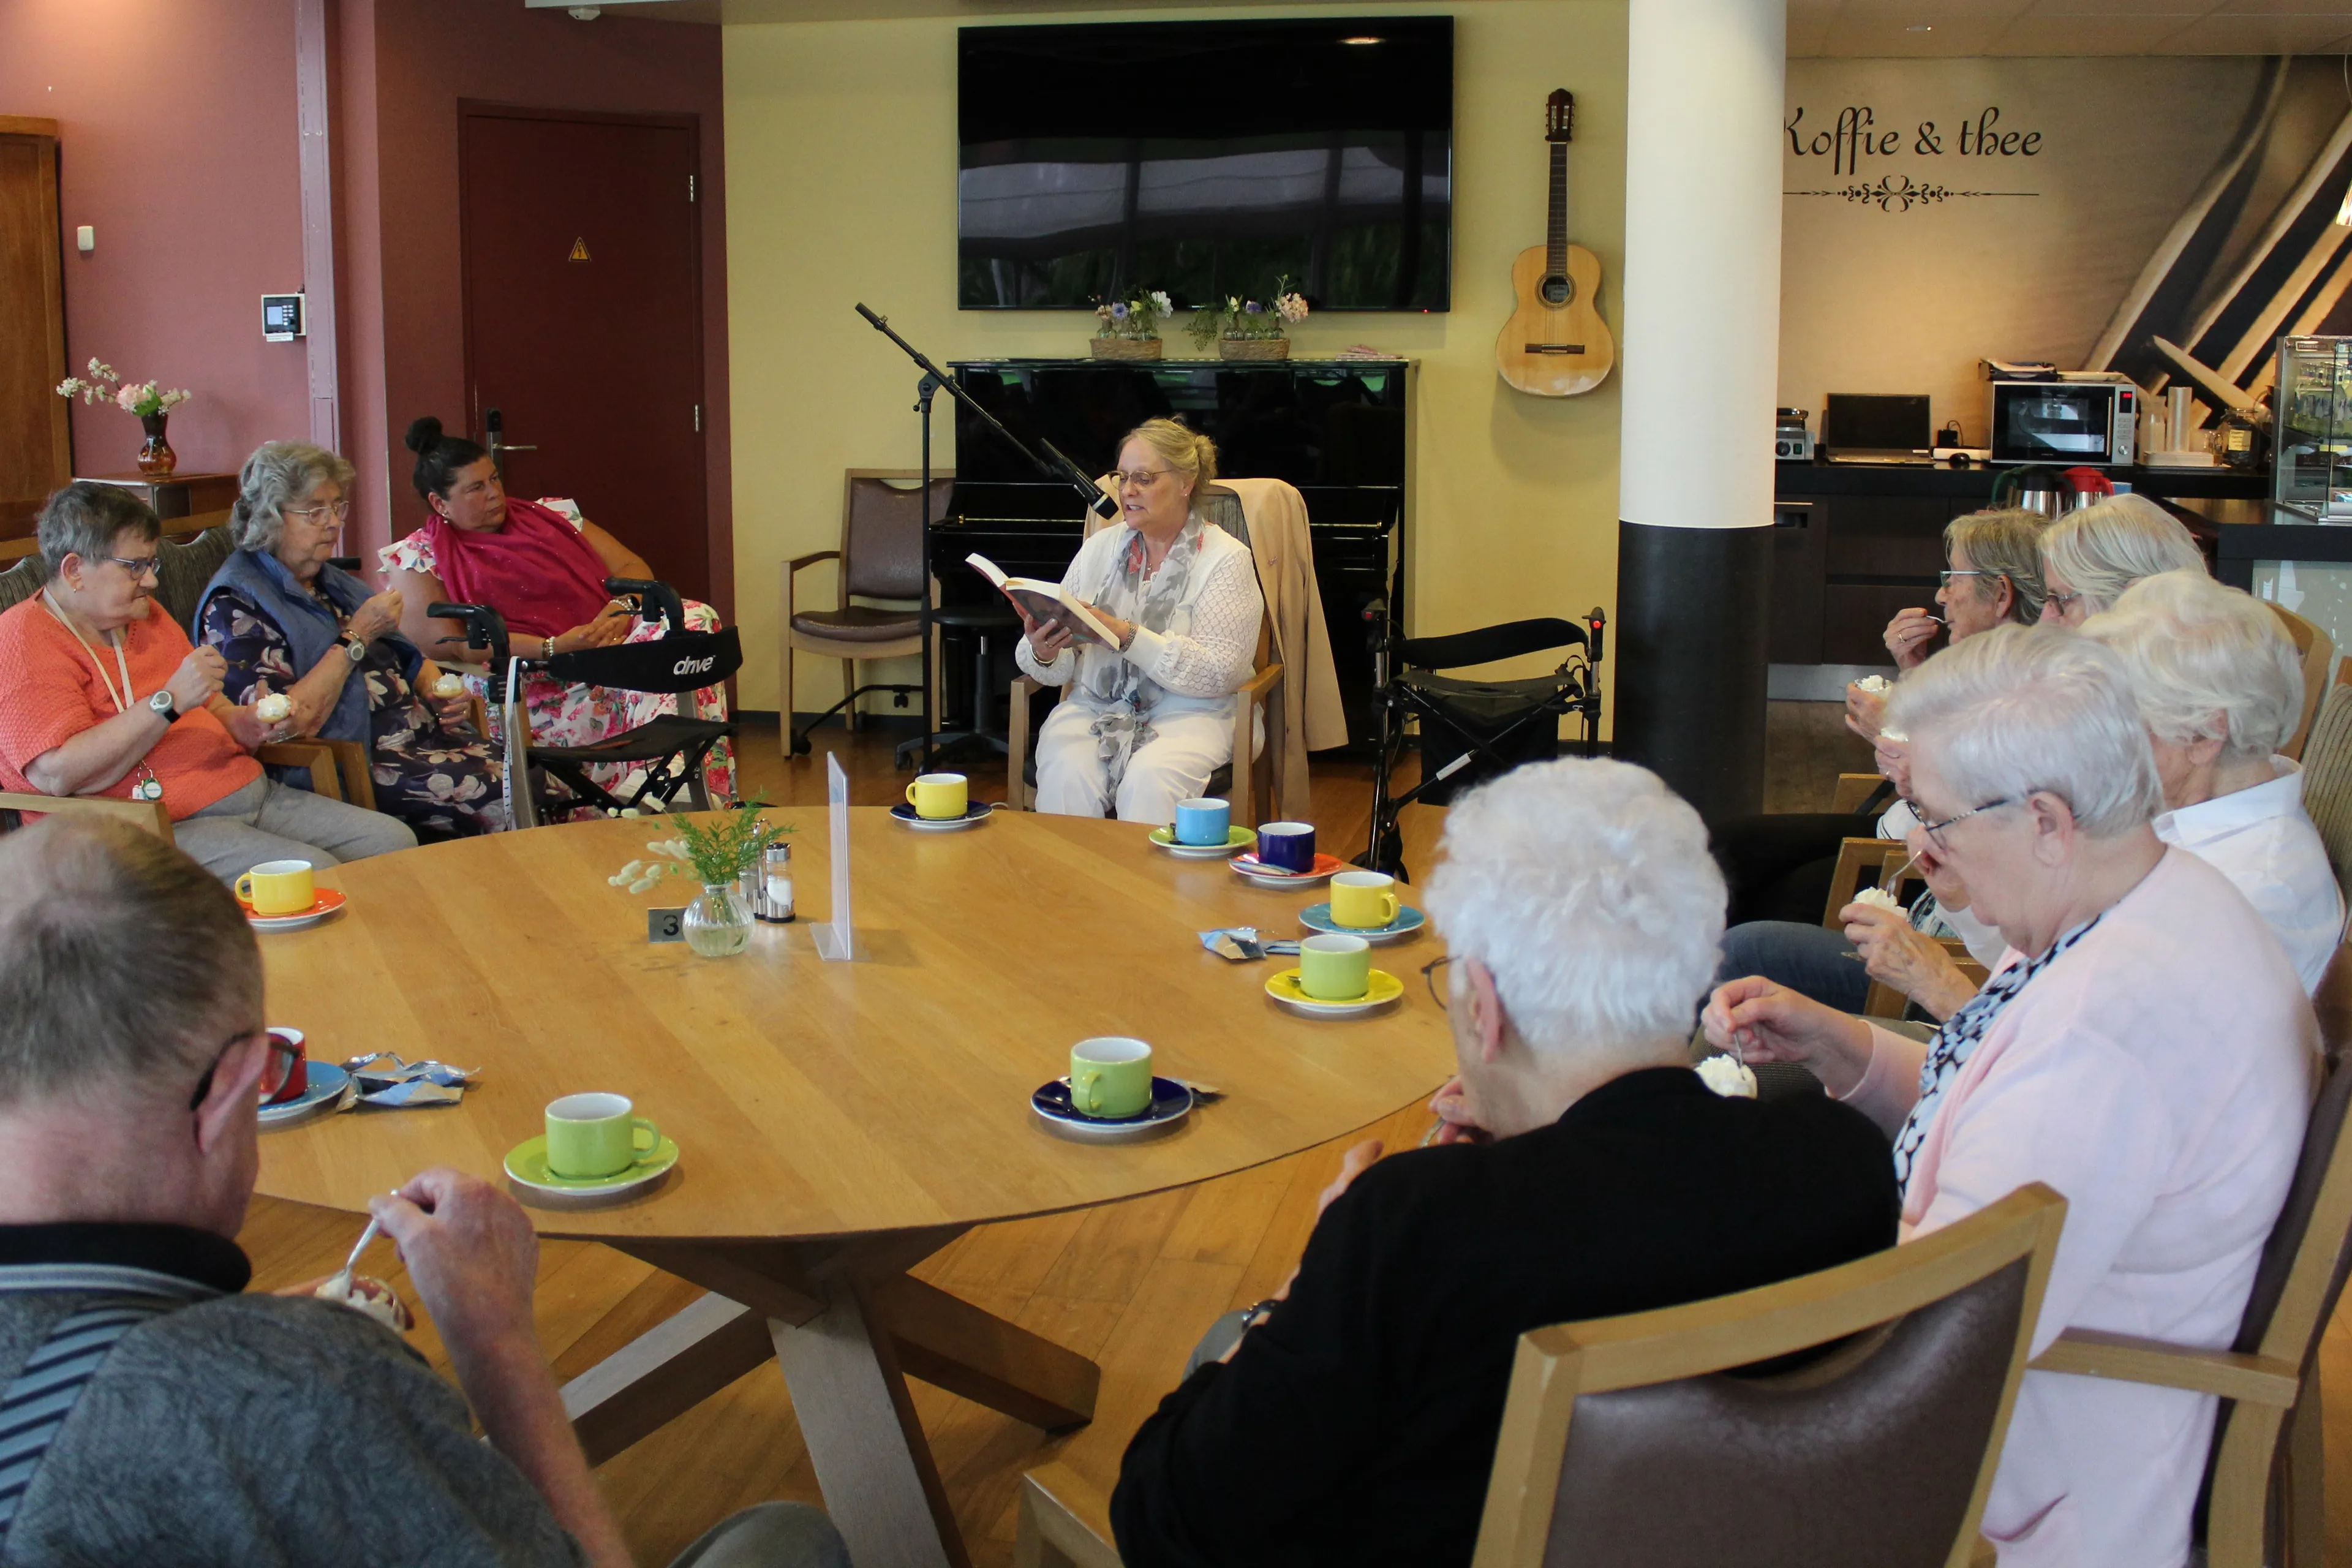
(767, 888)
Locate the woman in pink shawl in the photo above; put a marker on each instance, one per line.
(542, 566)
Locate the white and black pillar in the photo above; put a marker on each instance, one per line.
(1706, 83)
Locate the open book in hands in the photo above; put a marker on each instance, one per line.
(1049, 604)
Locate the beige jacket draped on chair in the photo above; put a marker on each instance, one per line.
(1311, 717)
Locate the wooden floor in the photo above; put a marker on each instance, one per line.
(1131, 1285)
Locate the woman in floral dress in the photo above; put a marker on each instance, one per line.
(287, 624)
(542, 566)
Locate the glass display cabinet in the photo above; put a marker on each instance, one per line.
(2313, 470)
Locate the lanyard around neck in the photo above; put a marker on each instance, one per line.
(121, 698)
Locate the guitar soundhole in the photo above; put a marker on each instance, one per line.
(1557, 291)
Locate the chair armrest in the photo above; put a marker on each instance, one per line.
(354, 766)
(1258, 685)
(798, 561)
(311, 754)
(1853, 789)
(2255, 1379)
(148, 815)
(1063, 1521)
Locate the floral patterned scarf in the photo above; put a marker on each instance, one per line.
(1126, 695)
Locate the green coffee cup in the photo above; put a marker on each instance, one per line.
(591, 1135)
(1110, 1077)
(1335, 968)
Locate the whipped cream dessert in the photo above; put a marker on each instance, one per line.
(1728, 1076)
(450, 685)
(1878, 898)
(363, 1293)
(1876, 685)
(273, 708)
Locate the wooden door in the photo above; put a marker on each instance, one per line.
(584, 319)
(35, 434)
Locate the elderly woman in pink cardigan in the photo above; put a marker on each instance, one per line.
(2145, 1047)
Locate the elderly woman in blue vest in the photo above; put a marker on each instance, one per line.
(289, 624)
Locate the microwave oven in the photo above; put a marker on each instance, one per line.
(2089, 423)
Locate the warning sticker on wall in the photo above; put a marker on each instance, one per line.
(579, 249)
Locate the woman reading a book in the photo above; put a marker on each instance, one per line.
(1147, 714)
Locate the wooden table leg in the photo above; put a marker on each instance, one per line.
(847, 1326)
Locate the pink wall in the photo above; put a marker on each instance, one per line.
(401, 253)
(177, 128)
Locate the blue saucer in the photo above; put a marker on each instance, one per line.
(1170, 1103)
(1318, 916)
(327, 1084)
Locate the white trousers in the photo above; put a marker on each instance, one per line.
(1175, 765)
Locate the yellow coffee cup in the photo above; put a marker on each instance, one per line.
(937, 796)
(279, 888)
(1363, 900)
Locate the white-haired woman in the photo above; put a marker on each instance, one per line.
(1143, 725)
(1355, 1419)
(2220, 688)
(2091, 555)
(286, 622)
(2145, 1048)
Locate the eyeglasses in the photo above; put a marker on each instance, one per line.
(2061, 600)
(1141, 478)
(276, 1073)
(341, 509)
(144, 567)
(1935, 830)
(1428, 978)
(1945, 577)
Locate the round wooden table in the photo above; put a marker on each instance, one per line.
(836, 1122)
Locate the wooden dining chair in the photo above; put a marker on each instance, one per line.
(2327, 775)
(148, 816)
(2318, 651)
(1610, 1423)
(881, 556)
(1248, 781)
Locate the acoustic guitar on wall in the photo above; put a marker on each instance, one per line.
(1555, 345)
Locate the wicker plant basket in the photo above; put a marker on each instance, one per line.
(1125, 348)
(1252, 348)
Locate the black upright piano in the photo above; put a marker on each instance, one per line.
(1335, 428)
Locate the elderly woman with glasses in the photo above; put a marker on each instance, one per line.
(288, 622)
(2220, 688)
(2091, 555)
(1149, 715)
(101, 694)
(2144, 1046)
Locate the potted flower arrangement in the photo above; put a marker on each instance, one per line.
(717, 856)
(1131, 327)
(151, 403)
(1247, 329)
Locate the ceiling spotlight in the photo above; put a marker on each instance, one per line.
(1920, 27)
(584, 12)
(1363, 40)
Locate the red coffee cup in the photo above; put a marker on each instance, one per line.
(298, 1083)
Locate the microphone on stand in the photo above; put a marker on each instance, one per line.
(1102, 504)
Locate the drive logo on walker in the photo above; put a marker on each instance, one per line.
(693, 666)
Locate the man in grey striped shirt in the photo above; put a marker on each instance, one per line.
(151, 1411)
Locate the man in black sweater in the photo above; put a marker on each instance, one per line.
(1586, 1172)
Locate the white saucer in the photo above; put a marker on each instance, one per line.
(973, 815)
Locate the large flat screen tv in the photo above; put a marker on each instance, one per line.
(1207, 159)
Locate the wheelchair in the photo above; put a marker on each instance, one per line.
(1472, 730)
(670, 751)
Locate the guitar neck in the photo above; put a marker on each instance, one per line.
(1555, 238)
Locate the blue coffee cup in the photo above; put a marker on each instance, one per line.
(1204, 821)
(1288, 846)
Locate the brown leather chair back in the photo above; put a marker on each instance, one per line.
(1868, 1455)
(882, 535)
(1851, 1415)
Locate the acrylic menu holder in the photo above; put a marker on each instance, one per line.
(836, 939)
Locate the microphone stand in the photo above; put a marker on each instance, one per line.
(1059, 467)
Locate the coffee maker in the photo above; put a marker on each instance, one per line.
(1793, 438)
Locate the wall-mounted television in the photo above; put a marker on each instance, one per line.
(1206, 159)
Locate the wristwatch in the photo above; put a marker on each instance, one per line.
(161, 703)
(356, 650)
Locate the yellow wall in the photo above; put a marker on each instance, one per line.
(841, 156)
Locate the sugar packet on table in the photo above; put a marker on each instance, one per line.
(385, 1079)
(1242, 944)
